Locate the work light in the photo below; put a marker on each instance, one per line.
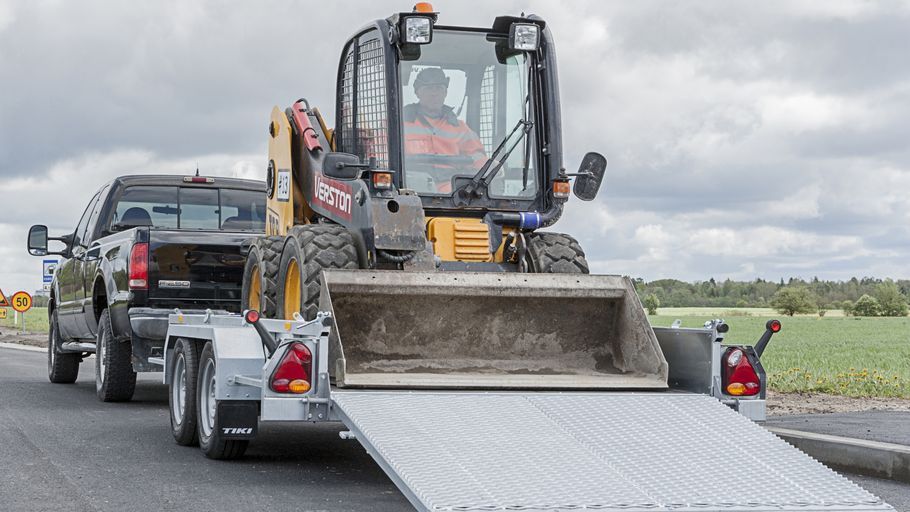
(418, 30)
(524, 37)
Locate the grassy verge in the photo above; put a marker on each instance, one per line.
(35, 320)
(850, 356)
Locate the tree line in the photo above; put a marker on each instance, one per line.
(861, 297)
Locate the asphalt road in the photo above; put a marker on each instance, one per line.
(63, 450)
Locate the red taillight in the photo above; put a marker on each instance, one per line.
(198, 179)
(774, 325)
(139, 266)
(251, 316)
(739, 377)
(293, 372)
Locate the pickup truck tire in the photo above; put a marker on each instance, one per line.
(262, 265)
(62, 368)
(182, 392)
(555, 253)
(309, 249)
(115, 380)
(211, 440)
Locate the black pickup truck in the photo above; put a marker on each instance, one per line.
(144, 246)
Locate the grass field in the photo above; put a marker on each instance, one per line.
(35, 320)
(851, 356)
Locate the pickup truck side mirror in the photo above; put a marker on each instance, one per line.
(343, 166)
(37, 240)
(590, 175)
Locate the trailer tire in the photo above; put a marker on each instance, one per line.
(182, 392)
(115, 380)
(555, 253)
(309, 249)
(62, 367)
(260, 275)
(211, 441)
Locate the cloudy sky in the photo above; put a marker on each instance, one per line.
(745, 139)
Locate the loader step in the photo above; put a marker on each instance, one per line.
(536, 451)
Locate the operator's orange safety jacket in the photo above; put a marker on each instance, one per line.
(445, 135)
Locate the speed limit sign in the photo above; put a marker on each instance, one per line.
(21, 301)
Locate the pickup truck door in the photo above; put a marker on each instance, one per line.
(90, 262)
(72, 288)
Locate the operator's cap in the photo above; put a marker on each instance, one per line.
(431, 76)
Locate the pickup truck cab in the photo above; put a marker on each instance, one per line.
(144, 246)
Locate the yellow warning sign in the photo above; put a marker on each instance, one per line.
(2, 314)
(3, 302)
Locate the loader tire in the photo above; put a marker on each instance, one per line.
(62, 367)
(208, 427)
(308, 250)
(115, 380)
(555, 253)
(260, 275)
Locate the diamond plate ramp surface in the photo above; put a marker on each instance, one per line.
(464, 451)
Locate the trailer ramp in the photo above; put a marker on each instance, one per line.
(465, 451)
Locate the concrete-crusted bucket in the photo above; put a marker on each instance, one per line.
(489, 330)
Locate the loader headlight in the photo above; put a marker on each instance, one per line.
(417, 30)
(524, 37)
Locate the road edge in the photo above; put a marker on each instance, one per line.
(873, 458)
(19, 346)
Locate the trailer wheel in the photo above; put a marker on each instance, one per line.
(62, 368)
(555, 253)
(115, 380)
(211, 440)
(309, 249)
(182, 392)
(260, 273)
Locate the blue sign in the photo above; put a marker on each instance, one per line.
(49, 267)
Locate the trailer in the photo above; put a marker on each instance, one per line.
(520, 446)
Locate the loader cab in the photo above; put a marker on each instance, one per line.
(481, 134)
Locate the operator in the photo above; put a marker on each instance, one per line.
(431, 127)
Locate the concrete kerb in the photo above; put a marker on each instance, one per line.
(17, 346)
(884, 460)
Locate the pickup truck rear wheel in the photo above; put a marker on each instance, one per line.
(182, 392)
(115, 380)
(211, 439)
(62, 368)
(555, 253)
(309, 249)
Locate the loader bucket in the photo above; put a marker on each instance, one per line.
(397, 329)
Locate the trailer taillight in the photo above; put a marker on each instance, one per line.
(293, 372)
(139, 266)
(739, 377)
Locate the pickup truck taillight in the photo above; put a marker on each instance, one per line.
(139, 266)
(739, 377)
(293, 372)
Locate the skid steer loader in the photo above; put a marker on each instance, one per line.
(454, 194)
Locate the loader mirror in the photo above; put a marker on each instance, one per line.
(37, 240)
(590, 175)
(343, 166)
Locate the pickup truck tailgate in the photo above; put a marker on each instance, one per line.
(586, 451)
(204, 267)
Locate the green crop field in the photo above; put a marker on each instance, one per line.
(35, 320)
(851, 356)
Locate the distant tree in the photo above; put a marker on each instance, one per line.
(741, 303)
(890, 299)
(791, 300)
(867, 306)
(651, 303)
(847, 306)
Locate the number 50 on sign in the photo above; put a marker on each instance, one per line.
(21, 301)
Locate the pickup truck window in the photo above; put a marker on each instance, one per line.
(190, 208)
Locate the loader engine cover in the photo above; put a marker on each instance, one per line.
(484, 330)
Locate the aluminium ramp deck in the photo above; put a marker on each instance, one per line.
(464, 451)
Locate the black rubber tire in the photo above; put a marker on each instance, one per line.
(270, 258)
(318, 247)
(555, 253)
(115, 380)
(186, 353)
(213, 444)
(62, 368)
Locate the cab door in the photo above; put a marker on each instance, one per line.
(90, 261)
(69, 311)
